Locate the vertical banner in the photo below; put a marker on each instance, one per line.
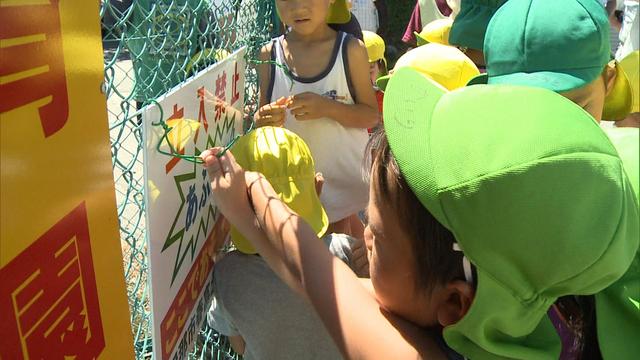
(62, 287)
(183, 224)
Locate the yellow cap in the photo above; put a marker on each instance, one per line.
(375, 46)
(338, 13)
(623, 98)
(285, 160)
(446, 65)
(436, 31)
(201, 58)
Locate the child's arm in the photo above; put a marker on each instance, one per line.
(269, 114)
(359, 327)
(362, 114)
(264, 72)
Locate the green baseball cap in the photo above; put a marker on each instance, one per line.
(618, 306)
(537, 200)
(556, 45)
(470, 24)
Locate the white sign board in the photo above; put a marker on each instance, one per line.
(182, 221)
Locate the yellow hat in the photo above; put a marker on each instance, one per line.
(623, 98)
(375, 46)
(205, 57)
(446, 65)
(285, 160)
(436, 31)
(338, 12)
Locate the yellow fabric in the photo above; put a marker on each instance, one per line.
(446, 65)
(617, 104)
(338, 13)
(182, 130)
(375, 46)
(204, 55)
(285, 160)
(630, 65)
(436, 31)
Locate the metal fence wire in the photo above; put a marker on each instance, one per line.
(150, 46)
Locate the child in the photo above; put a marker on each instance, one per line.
(377, 63)
(326, 97)
(477, 225)
(262, 317)
(375, 53)
(423, 13)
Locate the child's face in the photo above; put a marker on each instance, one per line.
(391, 266)
(591, 96)
(304, 16)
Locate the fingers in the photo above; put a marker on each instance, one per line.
(229, 165)
(271, 115)
(305, 116)
(214, 168)
(283, 101)
(359, 259)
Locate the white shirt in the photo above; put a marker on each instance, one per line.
(366, 13)
(338, 151)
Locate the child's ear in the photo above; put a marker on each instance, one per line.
(610, 77)
(457, 299)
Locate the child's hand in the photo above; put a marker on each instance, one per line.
(229, 189)
(272, 114)
(308, 106)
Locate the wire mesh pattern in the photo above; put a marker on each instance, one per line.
(150, 46)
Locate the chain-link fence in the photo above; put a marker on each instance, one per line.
(150, 46)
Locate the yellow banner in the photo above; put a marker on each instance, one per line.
(62, 292)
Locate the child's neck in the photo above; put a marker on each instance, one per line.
(322, 33)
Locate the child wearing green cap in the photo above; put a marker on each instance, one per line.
(477, 225)
(320, 89)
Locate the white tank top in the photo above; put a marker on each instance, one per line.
(338, 151)
(429, 12)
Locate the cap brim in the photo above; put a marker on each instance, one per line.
(300, 195)
(382, 81)
(420, 40)
(551, 80)
(493, 304)
(617, 105)
(630, 64)
(339, 13)
(479, 80)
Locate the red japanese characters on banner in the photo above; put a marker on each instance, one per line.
(221, 95)
(176, 318)
(48, 296)
(235, 78)
(32, 63)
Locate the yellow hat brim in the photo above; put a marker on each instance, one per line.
(338, 13)
(618, 104)
(436, 31)
(300, 195)
(631, 66)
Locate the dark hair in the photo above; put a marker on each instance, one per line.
(579, 315)
(435, 260)
(432, 244)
